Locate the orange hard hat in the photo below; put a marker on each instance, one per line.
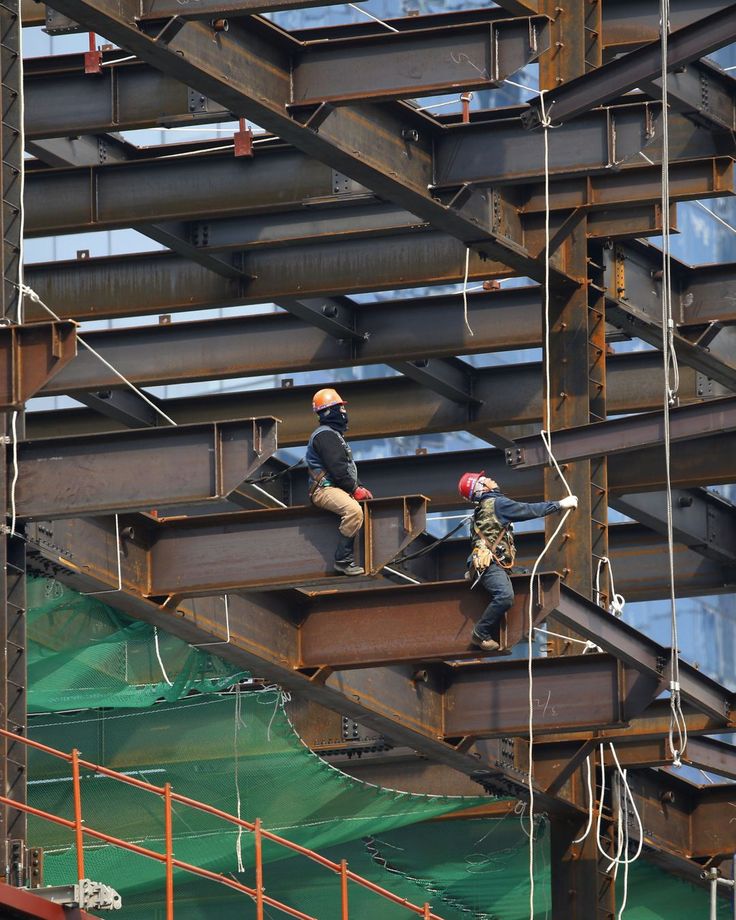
(325, 398)
(467, 484)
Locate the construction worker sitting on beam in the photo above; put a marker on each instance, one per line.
(494, 552)
(334, 482)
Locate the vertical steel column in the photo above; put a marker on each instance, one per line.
(12, 549)
(577, 394)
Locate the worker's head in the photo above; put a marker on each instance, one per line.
(330, 407)
(473, 485)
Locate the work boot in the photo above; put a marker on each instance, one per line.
(344, 561)
(488, 645)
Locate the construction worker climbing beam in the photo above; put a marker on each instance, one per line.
(494, 552)
(334, 482)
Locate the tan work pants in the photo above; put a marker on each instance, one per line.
(330, 498)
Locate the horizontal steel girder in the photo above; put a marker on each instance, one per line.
(384, 66)
(700, 295)
(391, 331)
(626, 434)
(250, 550)
(30, 356)
(165, 283)
(638, 651)
(247, 71)
(507, 395)
(636, 68)
(140, 470)
(701, 520)
(264, 191)
(358, 629)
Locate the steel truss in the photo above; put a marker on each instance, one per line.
(358, 190)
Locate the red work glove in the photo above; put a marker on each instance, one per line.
(361, 494)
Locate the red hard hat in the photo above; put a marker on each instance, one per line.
(325, 398)
(467, 484)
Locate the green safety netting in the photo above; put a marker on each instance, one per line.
(221, 747)
(83, 653)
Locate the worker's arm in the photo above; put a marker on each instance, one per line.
(507, 510)
(332, 453)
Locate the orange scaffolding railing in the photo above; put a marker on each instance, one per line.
(257, 894)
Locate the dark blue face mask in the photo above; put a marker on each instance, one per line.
(336, 417)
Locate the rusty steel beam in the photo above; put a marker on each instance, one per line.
(214, 9)
(31, 355)
(358, 629)
(140, 470)
(706, 754)
(247, 71)
(698, 354)
(507, 395)
(220, 185)
(564, 697)
(635, 68)
(389, 331)
(638, 651)
(626, 434)
(61, 100)
(237, 551)
(165, 283)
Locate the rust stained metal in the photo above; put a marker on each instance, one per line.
(411, 623)
(30, 356)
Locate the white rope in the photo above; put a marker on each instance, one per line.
(131, 57)
(29, 292)
(238, 722)
(716, 217)
(547, 440)
(158, 656)
(671, 386)
(14, 482)
(590, 800)
(371, 16)
(617, 602)
(586, 642)
(630, 796)
(465, 290)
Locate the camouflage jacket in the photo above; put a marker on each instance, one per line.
(485, 520)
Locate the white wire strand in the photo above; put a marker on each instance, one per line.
(158, 656)
(14, 482)
(226, 640)
(371, 16)
(29, 292)
(465, 290)
(716, 217)
(590, 800)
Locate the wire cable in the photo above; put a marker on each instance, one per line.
(29, 292)
(678, 725)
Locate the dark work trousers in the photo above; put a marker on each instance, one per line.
(497, 583)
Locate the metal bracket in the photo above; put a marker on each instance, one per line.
(87, 895)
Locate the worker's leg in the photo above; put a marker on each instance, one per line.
(339, 502)
(498, 584)
(351, 520)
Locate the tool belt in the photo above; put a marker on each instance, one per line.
(484, 554)
(316, 481)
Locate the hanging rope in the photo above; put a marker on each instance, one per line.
(678, 726)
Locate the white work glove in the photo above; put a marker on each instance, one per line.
(569, 501)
